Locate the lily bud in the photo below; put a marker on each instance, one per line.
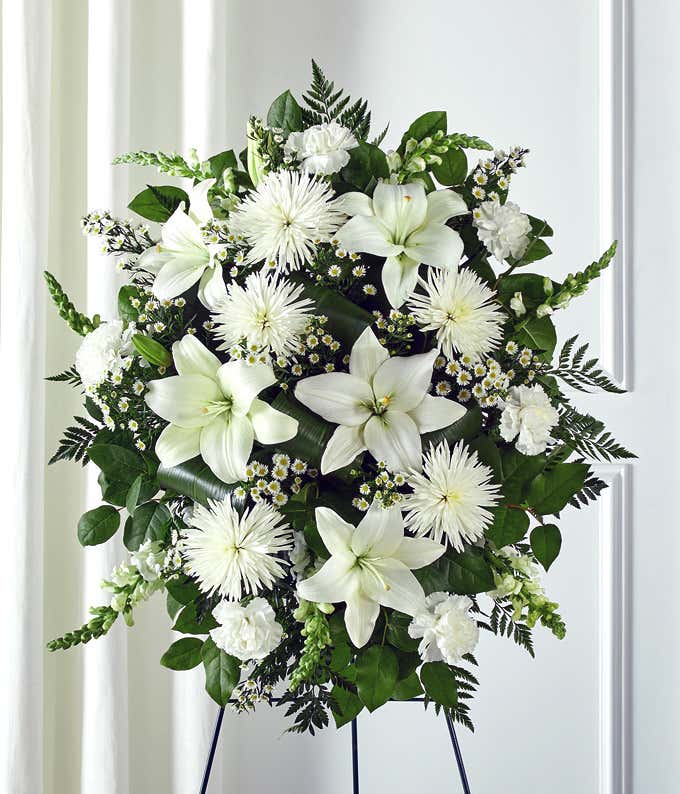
(547, 286)
(256, 167)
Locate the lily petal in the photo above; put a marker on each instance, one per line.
(360, 617)
(364, 233)
(177, 276)
(199, 208)
(404, 380)
(399, 278)
(177, 444)
(243, 382)
(354, 203)
(379, 532)
(181, 399)
(269, 425)
(191, 357)
(390, 583)
(153, 259)
(181, 235)
(435, 245)
(434, 413)
(444, 204)
(335, 581)
(337, 397)
(402, 208)
(226, 444)
(335, 532)
(418, 552)
(342, 447)
(366, 356)
(212, 291)
(394, 438)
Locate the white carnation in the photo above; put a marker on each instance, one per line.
(249, 632)
(322, 149)
(445, 628)
(102, 351)
(502, 228)
(527, 413)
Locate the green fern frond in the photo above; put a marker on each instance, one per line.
(579, 374)
(325, 103)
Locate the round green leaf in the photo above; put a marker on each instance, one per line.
(439, 683)
(453, 168)
(469, 572)
(550, 492)
(183, 654)
(377, 674)
(98, 525)
(509, 526)
(222, 672)
(151, 521)
(546, 542)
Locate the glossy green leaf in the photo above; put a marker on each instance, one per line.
(220, 162)
(518, 471)
(126, 311)
(538, 334)
(188, 623)
(377, 674)
(550, 491)
(183, 654)
(195, 480)
(158, 202)
(285, 113)
(151, 521)
(118, 463)
(313, 431)
(132, 497)
(183, 589)
(465, 429)
(222, 672)
(469, 572)
(509, 526)
(409, 688)
(546, 542)
(439, 683)
(345, 705)
(453, 168)
(151, 350)
(425, 126)
(367, 164)
(98, 525)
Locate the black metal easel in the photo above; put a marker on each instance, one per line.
(355, 752)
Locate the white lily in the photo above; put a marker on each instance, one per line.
(370, 566)
(214, 412)
(406, 226)
(381, 405)
(182, 258)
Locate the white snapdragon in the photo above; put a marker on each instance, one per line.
(503, 228)
(321, 149)
(103, 351)
(249, 632)
(445, 628)
(148, 559)
(528, 416)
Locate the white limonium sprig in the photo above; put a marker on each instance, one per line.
(236, 555)
(451, 499)
(214, 411)
(381, 405)
(285, 218)
(321, 149)
(269, 313)
(407, 227)
(460, 308)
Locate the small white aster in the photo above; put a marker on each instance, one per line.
(452, 496)
(460, 308)
(236, 555)
(285, 218)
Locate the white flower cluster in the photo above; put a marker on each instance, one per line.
(529, 417)
(503, 228)
(246, 632)
(322, 149)
(445, 628)
(103, 352)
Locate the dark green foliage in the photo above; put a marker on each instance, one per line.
(76, 440)
(588, 437)
(69, 376)
(325, 103)
(592, 488)
(580, 374)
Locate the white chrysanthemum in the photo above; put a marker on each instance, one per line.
(460, 308)
(323, 148)
(249, 632)
(502, 228)
(285, 217)
(452, 496)
(528, 413)
(269, 313)
(445, 628)
(102, 350)
(235, 555)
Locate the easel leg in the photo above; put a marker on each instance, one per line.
(211, 754)
(457, 752)
(355, 758)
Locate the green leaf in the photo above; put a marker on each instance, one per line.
(126, 311)
(151, 350)
(537, 249)
(367, 164)
(529, 284)
(285, 113)
(469, 572)
(453, 168)
(313, 431)
(98, 525)
(434, 578)
(195, 480)
(549, 492)
(425, 125)
(341, 656)
(397, 632)
(188, 622)
(220, 162)
(132, 498)
(409, 688)
(465, 429)
(115, 492)
(377, 674)
(157, 203)
(345, 705)
(488, 454)
(183, 589)
(509, 526)
(539, 227)
(172, 605)
(518, 471)
(117, 463)
(151, 521)
(183, 654)
(439, 683)
(538, 334)
(546, 542)
(222, 672)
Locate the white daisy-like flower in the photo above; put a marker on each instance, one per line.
(236, 555)
(452, 497)
(269, 313)
(502, 228)
(445, 628)
(285, 218)
(461, 309)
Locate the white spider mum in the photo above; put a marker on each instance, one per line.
(235, 555)
(268, 313)
(452, 496)
(285, 218)
(459, 307)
